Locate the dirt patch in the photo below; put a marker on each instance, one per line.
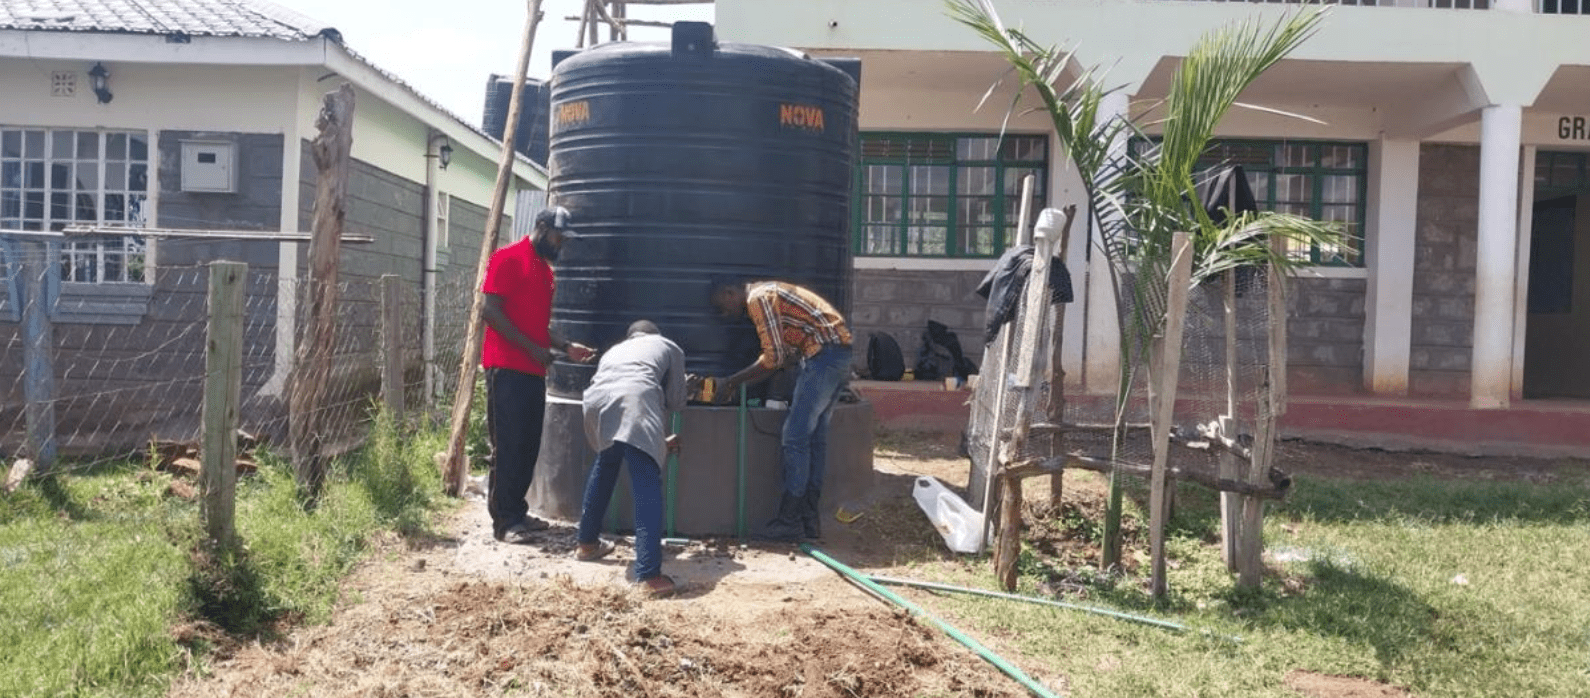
(461, 614)
(559, 638)
(1326, 686)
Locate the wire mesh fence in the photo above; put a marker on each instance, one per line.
(97, 372)
(1224, 370)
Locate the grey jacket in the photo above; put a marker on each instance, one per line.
(637, 384)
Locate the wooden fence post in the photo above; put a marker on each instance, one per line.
(1272, 404)
(456, 466)
(1164, 375)
(312, 365)
(223, 383)
(1230, 503)
(38, 342)
(392, 346)
(1056, 409)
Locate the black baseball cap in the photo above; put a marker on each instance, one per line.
(556, 218)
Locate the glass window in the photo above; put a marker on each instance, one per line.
(944, 195)
(54, 178)
(1317, 179)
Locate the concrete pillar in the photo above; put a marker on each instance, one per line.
(1067, 188)
(1389, 247)
(1516, 6)
(1492, 366)
(287, 280)
(1526, 232)
(1102, 371)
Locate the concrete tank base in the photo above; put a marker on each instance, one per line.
(708, 484)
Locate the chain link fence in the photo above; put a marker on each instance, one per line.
(94, 373)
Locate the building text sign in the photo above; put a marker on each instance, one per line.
(1573, 128)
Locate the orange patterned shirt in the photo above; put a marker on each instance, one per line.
(791, 319)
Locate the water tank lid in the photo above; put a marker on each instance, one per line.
(694, 38)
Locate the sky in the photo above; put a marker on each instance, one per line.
(447, 48)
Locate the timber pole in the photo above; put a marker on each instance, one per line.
(223, 385)
(312, 365)
(38, 341)
(456, 466)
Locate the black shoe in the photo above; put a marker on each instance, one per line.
(811, 518)
(788, 525)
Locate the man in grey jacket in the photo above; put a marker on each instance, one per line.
(637, 384)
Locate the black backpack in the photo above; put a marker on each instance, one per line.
(941, 355)
(884, 360)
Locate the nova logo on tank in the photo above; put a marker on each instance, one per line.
(800, 116)
(571, 113)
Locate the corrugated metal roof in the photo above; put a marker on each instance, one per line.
(253, 18)
(190, 18)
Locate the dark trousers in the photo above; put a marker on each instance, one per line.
(645, 486)
(515, 405)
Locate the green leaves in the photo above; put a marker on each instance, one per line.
(1138, 201)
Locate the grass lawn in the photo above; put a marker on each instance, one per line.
(105, 589)
(1441, 588)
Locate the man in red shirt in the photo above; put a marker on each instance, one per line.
(517, 351)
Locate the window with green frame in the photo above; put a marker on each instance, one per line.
(1323, 180)
(944, 194)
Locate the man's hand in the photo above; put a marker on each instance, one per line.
(581, 353)
(723, 391)
(673, 443)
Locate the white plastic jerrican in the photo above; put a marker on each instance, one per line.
(958, 522)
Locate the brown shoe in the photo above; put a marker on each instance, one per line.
(587, 552)
(659, 586)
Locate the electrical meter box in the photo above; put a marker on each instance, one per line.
(209, 166)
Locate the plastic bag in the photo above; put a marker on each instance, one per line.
(957, 521)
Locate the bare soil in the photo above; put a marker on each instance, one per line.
(461, 614)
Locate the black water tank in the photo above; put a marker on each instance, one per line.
(531, 137)
(692, 160)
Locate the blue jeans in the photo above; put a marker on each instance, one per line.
(805, 439)
(515, 405)
(645, 484)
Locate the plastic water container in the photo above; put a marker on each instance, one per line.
(957, 521)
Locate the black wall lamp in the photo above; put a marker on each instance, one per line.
(444, 154)
(99, 79)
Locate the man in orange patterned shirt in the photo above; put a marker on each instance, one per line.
(794, 325)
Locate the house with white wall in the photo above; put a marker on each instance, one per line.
(1451, 137)
(181, 129)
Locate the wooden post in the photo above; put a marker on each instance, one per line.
(1272, 404)
(1035, 302)
(392, 346)
(1164, 374)
(456, 466)
(312, 365)
(1056, 409)
(585, 18)
(991, 480)
(1229, 468)
(1007, 550)
(38, 341)
(223, 384)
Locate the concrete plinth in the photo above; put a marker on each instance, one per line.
(708, 483)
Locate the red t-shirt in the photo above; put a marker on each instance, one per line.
(524, 282)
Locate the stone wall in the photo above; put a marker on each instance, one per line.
(1325, 335)
(1443, 270)
(900, 303)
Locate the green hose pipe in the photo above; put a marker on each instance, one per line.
(671, 492)
(987, 654)
(1046, 602)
